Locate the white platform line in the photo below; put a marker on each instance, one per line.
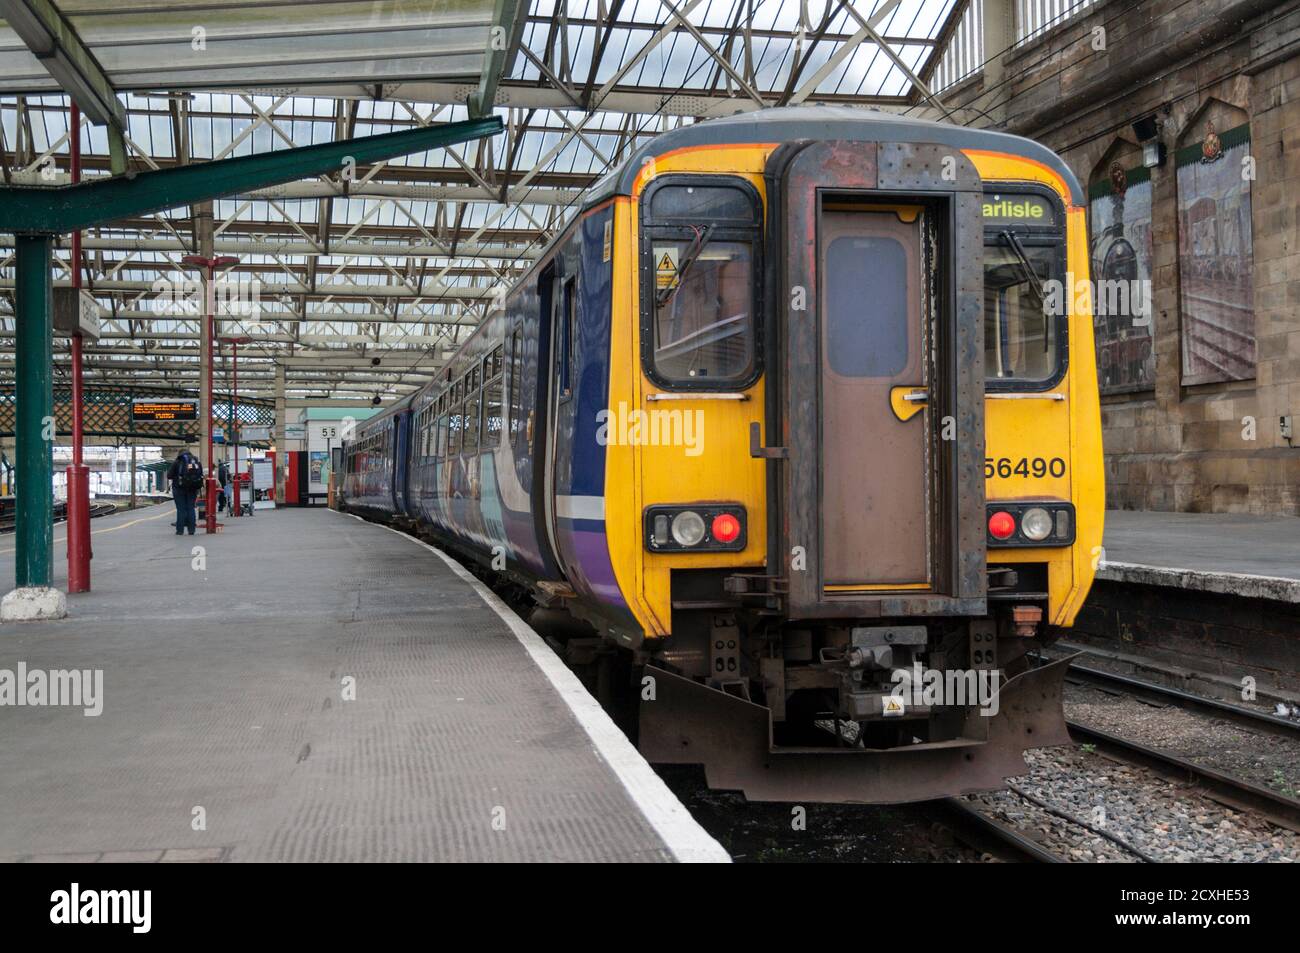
(686, 840)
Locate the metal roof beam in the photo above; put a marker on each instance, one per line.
(58, 48)
(504, 40)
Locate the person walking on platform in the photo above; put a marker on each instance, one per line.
(186, 477)
(223, 482)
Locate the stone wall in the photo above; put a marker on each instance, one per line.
(1174, 445)
(1207, 632)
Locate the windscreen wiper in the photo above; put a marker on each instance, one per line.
(664, 295)
(1035, 282)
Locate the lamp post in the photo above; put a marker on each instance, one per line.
(210, 265)
(234, 415)
(78, 474)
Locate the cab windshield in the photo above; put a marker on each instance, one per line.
(700, 243)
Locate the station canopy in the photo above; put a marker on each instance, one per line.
(360, 285)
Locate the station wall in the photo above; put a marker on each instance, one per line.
(1195, 388)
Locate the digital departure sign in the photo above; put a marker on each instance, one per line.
(1022, 209)
(162, 410)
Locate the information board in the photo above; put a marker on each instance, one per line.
(156, 409)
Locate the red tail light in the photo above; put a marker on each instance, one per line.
(1002, 525)
(726, 528)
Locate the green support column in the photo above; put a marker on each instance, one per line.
(35, 410)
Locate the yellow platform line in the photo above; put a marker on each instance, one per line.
(96, 532)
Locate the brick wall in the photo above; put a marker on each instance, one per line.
(1212, 447)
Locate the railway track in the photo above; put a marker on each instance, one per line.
(1235, 792)
(1154, 693)
(984, 832)
(987, 834)
(60, 515)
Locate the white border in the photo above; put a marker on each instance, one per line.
(685, 839)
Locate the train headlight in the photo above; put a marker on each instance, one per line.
(688, 528)
(695, 528)
(1036, 524)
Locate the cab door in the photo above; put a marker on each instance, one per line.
(874, 314)
(877, 339)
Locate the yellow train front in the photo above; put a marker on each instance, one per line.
(852, 448)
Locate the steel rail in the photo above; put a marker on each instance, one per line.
(980, 831)
(1152, 691)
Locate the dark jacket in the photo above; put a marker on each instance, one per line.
(174, 471)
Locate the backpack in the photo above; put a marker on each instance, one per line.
(189, 475)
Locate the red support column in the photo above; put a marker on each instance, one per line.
(234, 426)
(79, 553)
(209, 323)
(210, 523)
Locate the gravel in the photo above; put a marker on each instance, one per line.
(1165, 821)
(1267, 759)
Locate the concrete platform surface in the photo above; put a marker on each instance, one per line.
(308, 687)
(1233, 553)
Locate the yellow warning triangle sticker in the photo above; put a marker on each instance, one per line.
(666, 263)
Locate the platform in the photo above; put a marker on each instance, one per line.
(223, 700)
(1230, 553)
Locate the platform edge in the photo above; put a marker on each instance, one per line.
(683, 836)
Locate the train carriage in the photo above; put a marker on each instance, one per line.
(800, 413)
(375, 463)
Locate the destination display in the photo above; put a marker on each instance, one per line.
(156, 410)
(1018, 210)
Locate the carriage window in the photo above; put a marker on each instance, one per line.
(492, 413)
(516, 371)
(453, 430)
(866, 342)
(469, 425)
(568, 337)
(1021, 328)
(700, 284)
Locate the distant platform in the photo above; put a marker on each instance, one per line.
(227, 733)
(1230, 553)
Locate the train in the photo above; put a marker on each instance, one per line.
(794, 420)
